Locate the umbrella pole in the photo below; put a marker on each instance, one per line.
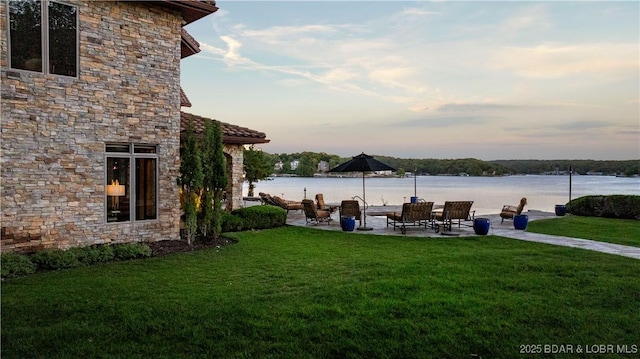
(364, 209)
(415, 185)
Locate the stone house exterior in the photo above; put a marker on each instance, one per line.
(233, 138)
(91, 120)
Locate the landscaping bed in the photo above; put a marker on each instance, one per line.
(161, 248)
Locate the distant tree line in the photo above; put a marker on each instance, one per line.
(430, 166)
(583, 167)
(308, 165)
(308, 162)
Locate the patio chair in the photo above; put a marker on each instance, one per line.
(267, 199)
(412, 215)
(508, 211)
(288, 205)
(455, 210)
(322, 205)
(349, 208)
(313, 214)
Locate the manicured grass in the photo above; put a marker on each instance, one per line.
(619, 231)
(298, 292)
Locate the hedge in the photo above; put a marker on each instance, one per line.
(16, 265)
(254, 217)
(612, 206)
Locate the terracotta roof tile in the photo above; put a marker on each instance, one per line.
(231, 134)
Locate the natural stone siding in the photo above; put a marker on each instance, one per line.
(54, 129)
(235, 172)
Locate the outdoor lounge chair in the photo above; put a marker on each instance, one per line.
(267, 199)
(413, 214)
(508, 211)
(279, 202)
(322, 205)
(288, 205)
(313, 214)
(455, 210)
(351, 208)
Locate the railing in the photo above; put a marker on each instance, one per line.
(366, 205)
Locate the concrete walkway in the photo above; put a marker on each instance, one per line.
(377, 221)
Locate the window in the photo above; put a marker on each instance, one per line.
(131, 193)
(43, 37)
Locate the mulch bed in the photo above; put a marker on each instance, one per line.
(161, 248)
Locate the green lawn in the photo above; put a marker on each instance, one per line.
(298, 292)
(619, 231)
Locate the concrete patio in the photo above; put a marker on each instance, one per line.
(377, 220)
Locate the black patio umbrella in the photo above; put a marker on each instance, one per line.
(363, 163)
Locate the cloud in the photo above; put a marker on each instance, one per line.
(277, 35)
(414, 11)
(233, 47)
(423, 68)
(529, 18)
(442, 121)
(476, 107)
(582, 125)
(553, 60)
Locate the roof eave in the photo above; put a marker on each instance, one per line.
(191, 10)
(233, 140)
(188, 45)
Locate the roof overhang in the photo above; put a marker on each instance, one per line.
(191, 10)
(236, 140)
(188, 45)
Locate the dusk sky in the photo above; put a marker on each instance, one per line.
(443, 79)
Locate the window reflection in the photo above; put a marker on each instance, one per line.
(131, 193)
(25, 32)
(145, 188)
(62, 39)
(118, 192)
(30, 40)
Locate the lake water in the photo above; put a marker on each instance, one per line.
(488, 193)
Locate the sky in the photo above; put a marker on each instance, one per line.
(422, 79)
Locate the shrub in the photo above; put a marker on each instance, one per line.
(261, 217)
(231, 222)
(94, 254)
(131, 251)
(613, 206)
(254, 217)
(16, 265)
(50, 259)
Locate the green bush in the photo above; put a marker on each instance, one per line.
(94, 254)
(261, 217)
(52, 259)
(613, 206)
(126, 251)
(231, 222)
(16, 265)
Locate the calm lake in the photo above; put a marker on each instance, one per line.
(488, 193)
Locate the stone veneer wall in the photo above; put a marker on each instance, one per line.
(235, 172)
(54, 129)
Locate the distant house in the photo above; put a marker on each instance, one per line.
(278, 166)
(295, 164)
(91, 121)
(323, 166)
